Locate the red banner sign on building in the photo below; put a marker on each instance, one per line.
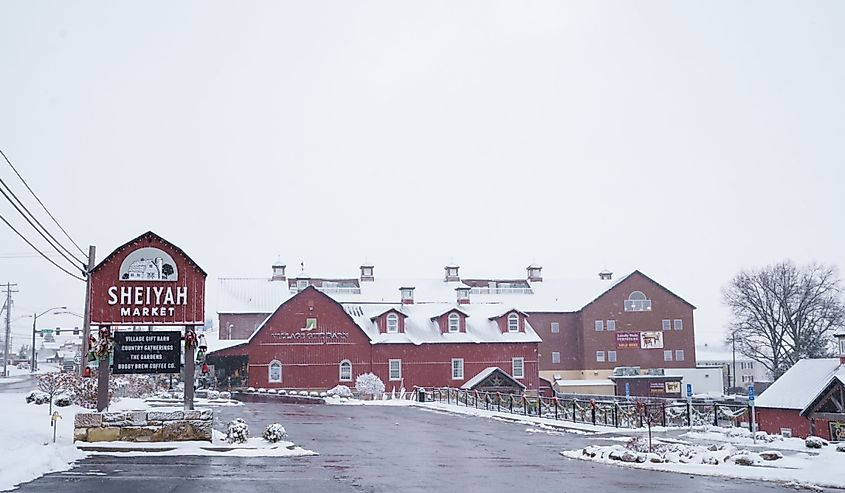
(627, 340)
(147, 281)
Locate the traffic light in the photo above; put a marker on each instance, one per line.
(76, 331)
(58, 331)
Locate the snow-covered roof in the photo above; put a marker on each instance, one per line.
(472, 382)
(582, 383)
(421, 329)
(261, 295)
(802, 384)
(839, 332)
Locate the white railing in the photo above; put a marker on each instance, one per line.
(333, 289)
(501, 291)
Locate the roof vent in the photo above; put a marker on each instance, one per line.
(535, 273)
(278, 272)
(463, 295)
(407, 295)
(367, 273)
(452, 273)
(605, 275)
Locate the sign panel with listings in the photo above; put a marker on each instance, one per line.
(147, 352)
(627, 340)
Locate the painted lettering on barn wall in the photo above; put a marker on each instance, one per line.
(311, 336)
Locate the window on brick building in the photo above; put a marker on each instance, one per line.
(274, 371)
(518, 367)
(637, 302)
(395, 369)
(599, 325)
(555, 327)
(392, 323)
(513, 322)
(457, 369)
(679, 355)
(667, 325)
(555, 357)
(454, 322)
(667, 355)
(611, 356)
(611, 325)
(346, 371)
(679, 324)
(600, 356)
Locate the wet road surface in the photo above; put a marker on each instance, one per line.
(382, 449)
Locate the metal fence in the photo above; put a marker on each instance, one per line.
(596, 410)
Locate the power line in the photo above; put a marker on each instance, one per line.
(52, 243)
(71, 274)
(42, 204)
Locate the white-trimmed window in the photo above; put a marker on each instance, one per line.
(599, 325)
(611, 356)
(392, 323)
(274, 371)
(555, 327)
(555, 357)
(394, 369)
(345, 371)
(667, 355)
(611, 325)
(518, 367)
(841, 346)
(667, 324)
(679, 355)
(678, 324)
(513, 322)
(457, 368)
(747, 378)
(454, 322)
(600, 356)
(637, 302)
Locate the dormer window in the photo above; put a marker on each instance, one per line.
(454, 322)
(513, 322)
(637, 302)
(392, 323)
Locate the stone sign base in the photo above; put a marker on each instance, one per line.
(143, 426)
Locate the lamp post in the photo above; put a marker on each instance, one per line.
(34, 320)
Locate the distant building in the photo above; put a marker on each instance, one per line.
(740, 372)
(809, 399)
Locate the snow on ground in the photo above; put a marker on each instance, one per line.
(28, 450)
(736, 457)
(254, 447)
(42, 368)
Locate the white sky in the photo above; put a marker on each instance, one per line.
(685, 139)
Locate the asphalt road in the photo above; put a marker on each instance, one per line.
(382, 449)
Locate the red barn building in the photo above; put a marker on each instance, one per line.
(578, 329)
(809, 399)
(312, 341)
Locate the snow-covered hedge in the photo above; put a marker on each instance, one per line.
(274, 433)
(37, 397)
(225, 395)
(237, 431)
(63, 400)
(340, 391)
(369, 384)
(815, 442)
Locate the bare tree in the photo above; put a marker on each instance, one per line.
(782, 313)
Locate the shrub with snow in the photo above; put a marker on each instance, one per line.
(815, 442)
(369, 384)
(303, 392)
(63, 399)
(283, 392)
(37, 397)
(324, 394)
(225, 395)
(274, 433)
(314, 394)
(213, 394)
(262, 390)
(237, 431)
(250, 389)
(271, 391)
(340, 391)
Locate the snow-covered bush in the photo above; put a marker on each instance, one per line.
(262, 390)
(340, 391)
(225, 395)
(283, 392)
(250, 389)
(815, 442)
(237, 431)
(213, 394)
(63, 399)
(369, 384)
(274, 433)
(303, 392)
(271, 391)
(314, 394)
(38, 397)
(324, 394)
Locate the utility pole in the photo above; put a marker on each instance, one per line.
(8, 326)
(86, 320)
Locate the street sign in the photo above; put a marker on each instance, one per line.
(689, 390)
(751, 394)
(627, 390)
